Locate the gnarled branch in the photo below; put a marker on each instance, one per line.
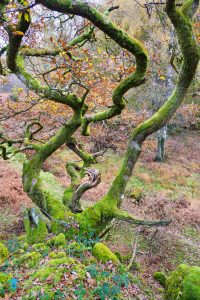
(124, 216)
(94, 178)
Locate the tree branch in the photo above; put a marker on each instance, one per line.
(124, 216)
(28, 135)
(93, 180)
(122, 39)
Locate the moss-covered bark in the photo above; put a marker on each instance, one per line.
(31, 172)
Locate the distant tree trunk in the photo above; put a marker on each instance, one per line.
(162, 133)
(161, 138)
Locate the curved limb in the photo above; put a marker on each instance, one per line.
(32, 182)
(7, 152)
(87, 158)
(28, 135)
(75, 191)
(93, 180)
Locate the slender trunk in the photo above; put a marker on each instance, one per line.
(169, 86)
(161, 138)
(32, 182)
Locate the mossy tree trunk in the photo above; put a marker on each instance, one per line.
(97, 216)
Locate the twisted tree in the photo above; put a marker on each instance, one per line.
(56, 212)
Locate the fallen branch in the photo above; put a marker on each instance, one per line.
(134, 247)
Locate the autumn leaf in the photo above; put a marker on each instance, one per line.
(20, 33)
(162, 77)
(26, 17)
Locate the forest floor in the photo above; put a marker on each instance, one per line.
(170, 190)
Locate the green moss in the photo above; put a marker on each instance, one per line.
(187, 6)
(40, 247)
(4, 283)
(4, 279)
(67, 196)
(119, 256)
(99, 215)
(21, 239)
(61, 261)
(160, 277)
(89, 218)
(25, 246)
(191, 284)
(76, 247)
(49, 271)
(58, 240)
(60, 254)
(104, 254)
(58, 211)
(43, 189)
(183, 284)
(4, 253)
(35, 233)
(43, 273)
(29, 259)
(47, 293)
(136, 193)
(80, 270)
(51, 184)
(126, 257)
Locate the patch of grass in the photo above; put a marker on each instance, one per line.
(17, 161)
(49, 180)
(186, 252)
(51, 184)
(192, 232)
(7, 222)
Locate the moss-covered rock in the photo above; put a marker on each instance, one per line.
(104, 254)
(183, 284)
(58, 240)
(160, 277)
(29, 259)
(77, 248)
(41, 248)
(4, 253)
(59, 254)
(136, 193)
